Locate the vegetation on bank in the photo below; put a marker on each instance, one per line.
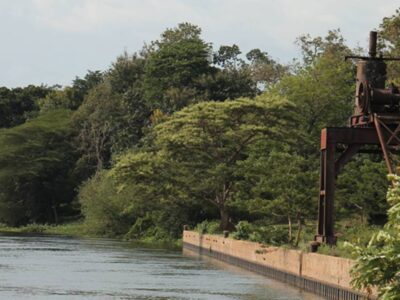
(348, 231)
(181, 133)
(378, 263)
(79, 229)
(76, 229)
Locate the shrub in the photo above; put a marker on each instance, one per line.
(105, 209)
(378, 264)
(211, 227)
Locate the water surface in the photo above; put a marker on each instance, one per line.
(49, 267)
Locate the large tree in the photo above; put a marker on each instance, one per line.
(36, 178)
(177, 60)
(206, 142)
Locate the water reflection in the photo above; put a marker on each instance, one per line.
(41, 267)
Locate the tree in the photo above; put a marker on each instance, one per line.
(361, 190)
(322, 88)
(283, 186)
(36, 175)
(231, 79)
(229, 84)
(389, 42)
(107, 212)
(16, 105)
(113, 115)
(331, 45)
(99, 119)
(205, 142)
(265, 71)
(378, 264)
(180, 57)
(81, 86)
(71, 97)
(126, 73)
(228, 56)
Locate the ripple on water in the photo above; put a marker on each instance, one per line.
(35, 267)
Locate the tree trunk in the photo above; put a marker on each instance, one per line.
(290, 229)
(225, 222)
(299, 228)
(54, 210)
(55, 214)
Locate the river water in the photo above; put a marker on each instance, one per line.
(49, 267)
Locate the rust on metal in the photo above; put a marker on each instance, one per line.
(375, 121)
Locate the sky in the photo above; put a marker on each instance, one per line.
(53, 41)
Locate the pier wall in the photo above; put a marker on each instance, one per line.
(324, 275)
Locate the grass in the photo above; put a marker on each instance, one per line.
(77, 229)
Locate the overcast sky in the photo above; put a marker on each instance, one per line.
(52, 41)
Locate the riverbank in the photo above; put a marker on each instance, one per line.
(81, 230)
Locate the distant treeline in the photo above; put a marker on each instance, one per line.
(179, 133)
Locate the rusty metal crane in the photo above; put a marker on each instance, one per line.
(375, 121)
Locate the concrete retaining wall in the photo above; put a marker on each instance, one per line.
(325, 275)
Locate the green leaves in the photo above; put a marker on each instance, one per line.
(36, 159)
(196, 153)
(378, 264)
(179, 59)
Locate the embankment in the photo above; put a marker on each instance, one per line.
(324, 275)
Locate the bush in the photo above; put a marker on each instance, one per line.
(378, 263)
(243, 230)
(269, 234)
(105, 209)
(210, 227)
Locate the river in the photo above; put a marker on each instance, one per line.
(51, 267)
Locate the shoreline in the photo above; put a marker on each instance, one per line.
(78, 230)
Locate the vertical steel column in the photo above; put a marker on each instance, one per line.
(321, 202)
(330, 177)
(325, 231)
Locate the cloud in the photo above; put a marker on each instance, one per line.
(88, 34)
(280, 21)
(90, 15)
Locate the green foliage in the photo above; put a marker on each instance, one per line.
(77, 229)
(265, 71)
(36, 179)
(197, 152)
(269, 234)
(229, 83)
(322, 89)
(106, 211)
(180, 133)
(378, 264)
(100, 119)
(17, 105)
(389, 42)
(210, 227)
(361, 190)
(113, 114)
(282, 188)
(70, 97)
(126, 72)
(171, 70)
(243, 230)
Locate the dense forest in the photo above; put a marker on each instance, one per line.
(182, 133)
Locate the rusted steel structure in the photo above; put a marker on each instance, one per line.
(375, 122)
